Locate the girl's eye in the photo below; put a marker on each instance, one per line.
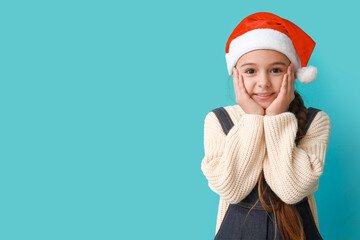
(250, 71)
(276, 70)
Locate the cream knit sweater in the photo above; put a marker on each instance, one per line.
(232, 163)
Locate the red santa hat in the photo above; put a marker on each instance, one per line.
(269, 31)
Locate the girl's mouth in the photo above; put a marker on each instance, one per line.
(263, 97)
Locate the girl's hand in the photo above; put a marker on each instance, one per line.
(286, 95)
(242, 97)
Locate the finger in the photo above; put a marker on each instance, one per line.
(292, 78)
(242, 85)
(236, 83)
(289, 78)
(284, 84)
(239, 81)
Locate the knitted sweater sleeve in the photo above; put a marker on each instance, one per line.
(291, 171)
(233, 162)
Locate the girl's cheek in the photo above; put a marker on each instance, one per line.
(247, 87)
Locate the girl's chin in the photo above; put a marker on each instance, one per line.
(264, 104)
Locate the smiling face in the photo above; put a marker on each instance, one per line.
(263, 72)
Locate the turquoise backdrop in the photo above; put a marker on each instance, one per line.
(102, 113)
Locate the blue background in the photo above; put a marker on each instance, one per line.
(103, 105)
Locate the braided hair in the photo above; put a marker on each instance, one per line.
(287, 217)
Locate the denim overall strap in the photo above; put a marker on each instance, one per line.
(224, 119)
(311, 113)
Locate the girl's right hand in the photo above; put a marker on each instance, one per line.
(242, 97)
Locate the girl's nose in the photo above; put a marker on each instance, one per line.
(264, 81)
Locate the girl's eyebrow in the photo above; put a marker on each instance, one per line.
(278, 63)
(247, 64)
(274, 63)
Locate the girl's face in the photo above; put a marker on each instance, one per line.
(263, 72)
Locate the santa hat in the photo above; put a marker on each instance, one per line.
(269, 31)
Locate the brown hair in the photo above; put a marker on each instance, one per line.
(286, 216)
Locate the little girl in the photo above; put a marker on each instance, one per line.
(264, 155)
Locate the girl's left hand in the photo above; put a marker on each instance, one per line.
(286, 94)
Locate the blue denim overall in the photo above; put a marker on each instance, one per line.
(258, 224)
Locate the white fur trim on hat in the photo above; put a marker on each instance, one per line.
(306, 74)
(261, 39)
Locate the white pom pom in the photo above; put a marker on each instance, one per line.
(306, 74)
